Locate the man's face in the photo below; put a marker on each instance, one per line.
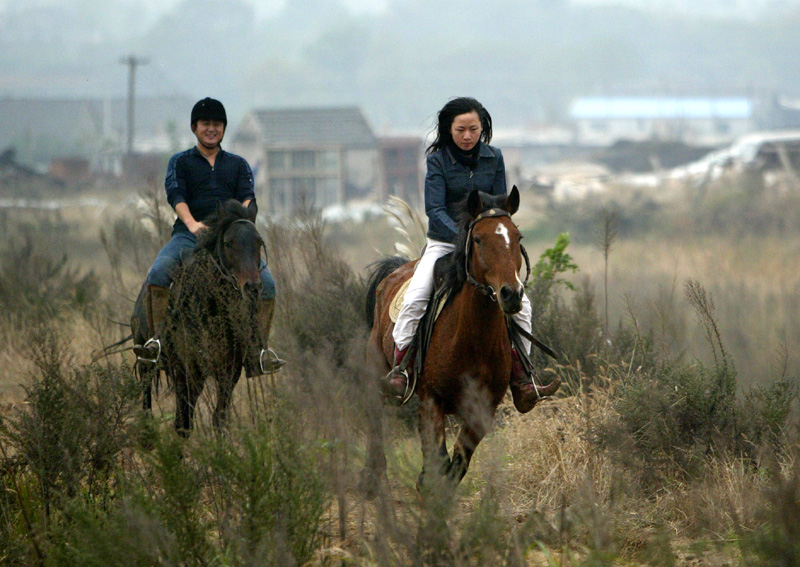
(209, 133)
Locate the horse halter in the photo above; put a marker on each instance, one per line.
(218, 261)
(485, 289)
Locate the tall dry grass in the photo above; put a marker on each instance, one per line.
(630, 465)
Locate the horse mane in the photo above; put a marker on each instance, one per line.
(450, 271)
(226, 213)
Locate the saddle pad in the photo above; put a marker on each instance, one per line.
(397, 303)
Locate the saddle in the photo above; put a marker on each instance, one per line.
(436, 305)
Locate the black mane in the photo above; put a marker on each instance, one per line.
(450, 270)
(226, 213)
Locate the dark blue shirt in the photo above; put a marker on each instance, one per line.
(191, 180)
(448, 182)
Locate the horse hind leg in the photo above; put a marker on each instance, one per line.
(375, 466)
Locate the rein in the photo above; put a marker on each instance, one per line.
(482, 288)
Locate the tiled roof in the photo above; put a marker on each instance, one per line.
(338, 126)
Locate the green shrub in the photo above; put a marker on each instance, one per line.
(36, 285)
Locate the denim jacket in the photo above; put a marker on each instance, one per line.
(447, 183)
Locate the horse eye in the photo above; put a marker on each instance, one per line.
(477, 240)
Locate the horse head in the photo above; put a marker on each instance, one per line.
(234, 240)
(494, 253)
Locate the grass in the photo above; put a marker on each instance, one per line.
(657, 453)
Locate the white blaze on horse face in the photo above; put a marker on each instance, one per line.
(503, 231)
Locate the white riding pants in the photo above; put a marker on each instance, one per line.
(419, 293)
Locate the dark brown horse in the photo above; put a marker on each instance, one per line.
(210, 321)
(467, 367)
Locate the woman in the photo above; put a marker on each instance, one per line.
(460, 159)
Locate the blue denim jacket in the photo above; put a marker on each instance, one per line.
(447, 183)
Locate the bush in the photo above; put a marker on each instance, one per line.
(669, 420)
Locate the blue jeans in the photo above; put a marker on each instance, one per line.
(179, 246)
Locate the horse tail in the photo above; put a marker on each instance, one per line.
(377, 273)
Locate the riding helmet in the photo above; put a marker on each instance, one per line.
(209, 109)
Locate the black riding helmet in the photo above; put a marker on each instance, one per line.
(209, 109)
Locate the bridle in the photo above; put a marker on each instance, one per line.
(482, 288)
(218, 261)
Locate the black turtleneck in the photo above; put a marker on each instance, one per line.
(467, 159)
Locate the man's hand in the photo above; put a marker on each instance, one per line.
(196, 227)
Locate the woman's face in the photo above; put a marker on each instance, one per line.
(466, 130)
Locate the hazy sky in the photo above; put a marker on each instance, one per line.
(400, 59)
(157, 7)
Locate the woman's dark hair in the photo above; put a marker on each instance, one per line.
(456, 107)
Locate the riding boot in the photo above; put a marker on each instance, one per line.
(524, 392)
(395, 384)
(156, 301)
(261, 359)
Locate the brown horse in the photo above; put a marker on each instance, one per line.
(467, 366)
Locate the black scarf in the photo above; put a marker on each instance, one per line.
(467, 159)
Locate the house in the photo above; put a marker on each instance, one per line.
(309, 157)
(694, 120)
(43, 129)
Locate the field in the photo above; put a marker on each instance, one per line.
(673, 442)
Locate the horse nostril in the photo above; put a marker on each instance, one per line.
(507, 294)
(252, 287)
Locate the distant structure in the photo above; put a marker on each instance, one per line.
(700, 121)
(95, 130)
(317, 157)
(401, 158)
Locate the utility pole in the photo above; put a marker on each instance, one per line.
(132, 62)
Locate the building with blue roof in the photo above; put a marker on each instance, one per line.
(693, 120)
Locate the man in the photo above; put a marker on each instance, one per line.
(198, 179)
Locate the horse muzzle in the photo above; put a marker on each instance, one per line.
(510, 299)
(249, 284)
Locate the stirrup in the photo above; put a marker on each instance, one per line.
(410, 386)
(273, 364)
(146, 346)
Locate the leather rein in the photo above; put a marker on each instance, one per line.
(485, 289)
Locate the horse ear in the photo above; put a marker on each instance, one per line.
(474, 203)
(512, 201)
(252, 210)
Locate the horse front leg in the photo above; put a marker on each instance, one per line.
(434, 441)
(147, 373)
(224, 394)
(187, 391)
(473, 431)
